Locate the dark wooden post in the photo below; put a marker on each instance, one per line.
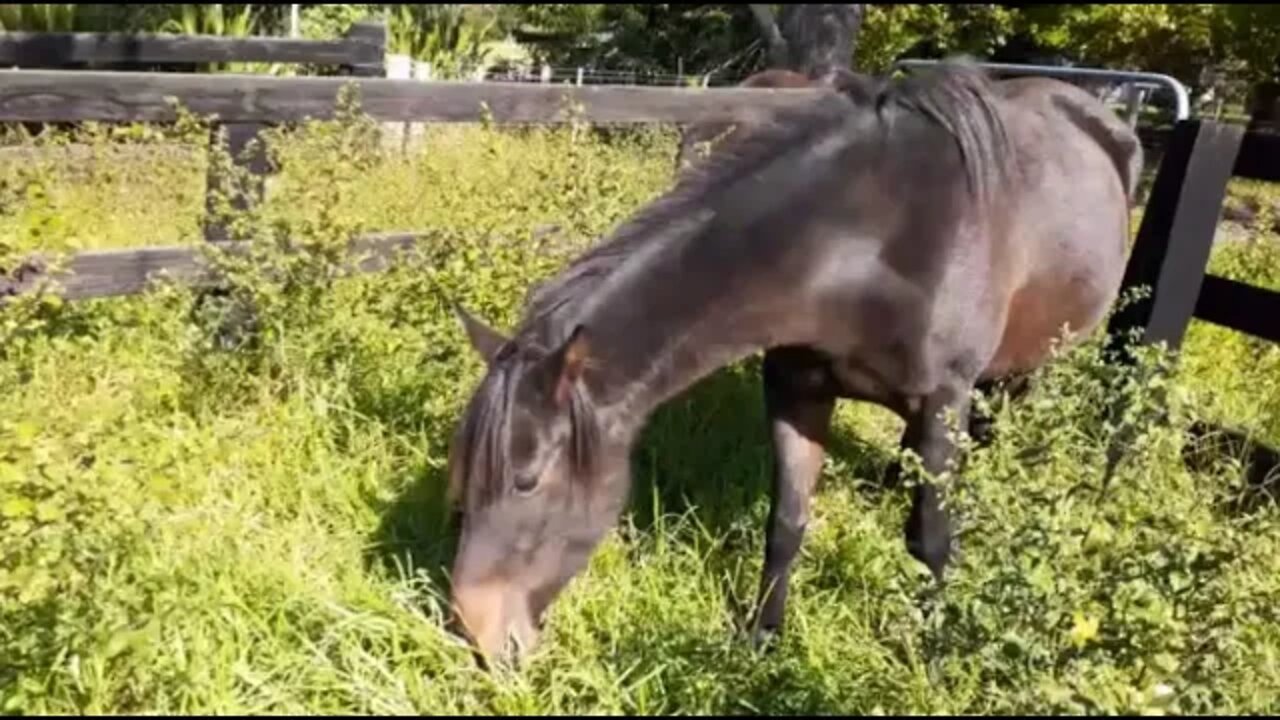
(366, 45)
(368, 41)
(1177, 231)
(239, 135)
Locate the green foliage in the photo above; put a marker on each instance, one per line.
(331, 21)
(224, 21)
(1179, 39)
(655, 37)
(445, 36)
(233, 502)
(40, 17)
(1252, 34)
(706, 37)
(213, 19)
(890, 31)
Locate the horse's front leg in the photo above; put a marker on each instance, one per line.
(799, 403)
(982, 424)
(928, 526)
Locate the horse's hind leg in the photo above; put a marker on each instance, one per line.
(799, 401)
(982, 424)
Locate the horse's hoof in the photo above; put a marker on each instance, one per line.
(765, 639)
(933, 550)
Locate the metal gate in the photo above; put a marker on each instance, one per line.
(1137, 85)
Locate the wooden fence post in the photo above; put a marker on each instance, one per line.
(239, 135)
(369, 48)
(1177, 231)
(367, 42)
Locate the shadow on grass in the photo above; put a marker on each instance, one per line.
(709, 452)
(1257, 484)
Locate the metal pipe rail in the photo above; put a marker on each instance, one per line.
(1181, 97)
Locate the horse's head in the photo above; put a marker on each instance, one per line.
(535, 482)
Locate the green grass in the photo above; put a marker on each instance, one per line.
(188, 528)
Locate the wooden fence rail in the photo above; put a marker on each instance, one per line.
(361, 51)
(1171, 257)
(1171, 253)
(116, 273)
(246, 103)
(52, 96)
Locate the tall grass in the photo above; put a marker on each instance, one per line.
(204, 514)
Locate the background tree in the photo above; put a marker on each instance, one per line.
(891, 32)
(804, 37)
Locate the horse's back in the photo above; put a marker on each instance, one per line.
(1064, 102)
(1079, 167)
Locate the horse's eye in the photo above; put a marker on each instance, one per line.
(526, 483)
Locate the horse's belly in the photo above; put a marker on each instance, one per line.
(1038, 314)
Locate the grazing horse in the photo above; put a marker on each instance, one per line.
(897, 242)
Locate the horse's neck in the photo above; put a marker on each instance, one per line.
(678, 318)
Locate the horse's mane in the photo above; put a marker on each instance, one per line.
(960, 97)
(790, 129)
(956, 95)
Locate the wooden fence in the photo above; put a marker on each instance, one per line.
(1197, 158)
(1170, 255)
(1179, 223)
(244, 104)
(359, 53)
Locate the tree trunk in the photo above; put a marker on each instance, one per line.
(779, 52)
(807, 37)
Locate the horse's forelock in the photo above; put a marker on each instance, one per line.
(481, 444)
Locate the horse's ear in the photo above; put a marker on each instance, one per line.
(484, 339)
(566, 365)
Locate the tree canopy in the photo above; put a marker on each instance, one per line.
(1203, 45)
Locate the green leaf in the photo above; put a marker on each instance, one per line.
(1084, 629)
(10, 474)
(18, 507)
(25, 433)
(49, 512)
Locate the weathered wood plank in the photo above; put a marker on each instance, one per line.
(114, 273)
(1259, 157)
(60, 49)
(52, 96)
(1177, 231)
(367, 42)
(1241, 307)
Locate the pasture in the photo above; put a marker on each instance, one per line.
(203, 514)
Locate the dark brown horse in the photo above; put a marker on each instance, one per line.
(897, 242)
